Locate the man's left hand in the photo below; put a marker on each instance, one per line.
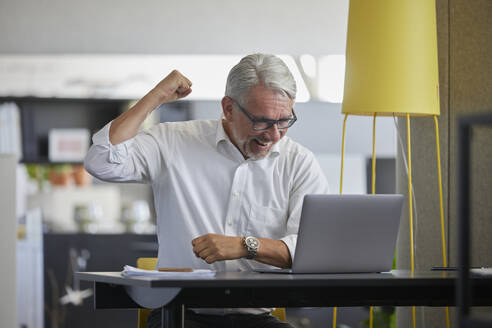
(213, 247)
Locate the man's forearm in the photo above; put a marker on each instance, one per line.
(274, 252)
(215, 247)
(127, 125)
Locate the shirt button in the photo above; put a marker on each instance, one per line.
(235, 194)
(229, 223)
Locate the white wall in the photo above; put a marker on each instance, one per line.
(8, 241)
(173, 27)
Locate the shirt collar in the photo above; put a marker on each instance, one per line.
(221, 135)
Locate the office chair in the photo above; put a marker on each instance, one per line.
(149, 263)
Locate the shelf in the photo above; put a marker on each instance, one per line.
(46, 161)
(40, 115)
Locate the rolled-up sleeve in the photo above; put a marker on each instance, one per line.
(134, 160)
(309, 179)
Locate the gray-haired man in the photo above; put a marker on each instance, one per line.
(227, 192)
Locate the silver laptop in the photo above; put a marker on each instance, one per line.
(346, 234)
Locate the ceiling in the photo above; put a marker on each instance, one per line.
(315, 27)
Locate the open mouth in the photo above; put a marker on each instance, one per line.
(260, 143)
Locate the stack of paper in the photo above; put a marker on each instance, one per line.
(482, 271)
(129, 271)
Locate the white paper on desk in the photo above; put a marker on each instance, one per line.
(129, 271)
(482, 271)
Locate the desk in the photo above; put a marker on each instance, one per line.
(249, 289)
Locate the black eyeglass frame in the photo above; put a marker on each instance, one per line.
(270, 122)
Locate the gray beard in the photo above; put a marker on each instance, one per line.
(243, 144)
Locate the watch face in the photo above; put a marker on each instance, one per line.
(252, 242)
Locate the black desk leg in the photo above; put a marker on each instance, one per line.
(173, 316)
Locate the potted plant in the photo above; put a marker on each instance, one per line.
(81, 176)
(60, 174)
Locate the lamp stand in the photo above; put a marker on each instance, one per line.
(410, 198)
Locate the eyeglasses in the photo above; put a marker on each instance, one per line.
(265, 124)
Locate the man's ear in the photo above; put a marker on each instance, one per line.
(227, 107)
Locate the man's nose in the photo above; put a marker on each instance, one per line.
(274, 132)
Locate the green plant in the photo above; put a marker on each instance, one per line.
(60, 168)
(47, 172)
(38, 172)
(383, 317)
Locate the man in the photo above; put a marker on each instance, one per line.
(228, 192)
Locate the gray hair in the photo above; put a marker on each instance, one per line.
(260, 69)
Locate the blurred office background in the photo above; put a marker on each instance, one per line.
(68, 68)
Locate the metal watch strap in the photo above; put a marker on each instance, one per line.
(251, 250)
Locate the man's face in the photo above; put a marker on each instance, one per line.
(261, 103)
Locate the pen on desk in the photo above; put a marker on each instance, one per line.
(443, 269)
(175, 269)
(454, 268)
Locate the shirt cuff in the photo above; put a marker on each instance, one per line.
(117, 153)
(291, 242)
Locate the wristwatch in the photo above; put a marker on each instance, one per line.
(252, 244)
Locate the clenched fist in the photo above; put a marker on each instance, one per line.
(172, 87)
(212, 248)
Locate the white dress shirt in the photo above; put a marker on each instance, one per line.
(202, 184)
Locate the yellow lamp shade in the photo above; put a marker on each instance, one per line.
(391, 58)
